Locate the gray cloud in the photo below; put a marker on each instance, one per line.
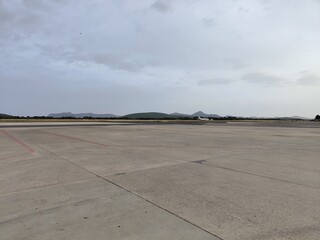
(260, 78)
(114, 62)
(110, 60)
(215, 81)
(21, 20)
(162, 5)
(4, 14)
(309, 79)
(209, 22)
(25, 13)
(236, 63)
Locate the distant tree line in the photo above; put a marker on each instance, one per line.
(4, 116)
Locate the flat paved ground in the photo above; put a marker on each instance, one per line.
(211, 181)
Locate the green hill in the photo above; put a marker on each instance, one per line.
(2, 115)
(149, 115)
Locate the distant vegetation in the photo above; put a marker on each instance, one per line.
(149, 116)
(4, 116)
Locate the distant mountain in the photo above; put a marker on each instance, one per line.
(151, 115)
(202, 114)
(171, 115)
(180, 114)
(80, 115)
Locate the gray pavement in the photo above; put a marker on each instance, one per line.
(208, 181)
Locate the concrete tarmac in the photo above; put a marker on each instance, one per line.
(210, 181)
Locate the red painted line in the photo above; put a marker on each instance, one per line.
(77, 139)
(29, 149)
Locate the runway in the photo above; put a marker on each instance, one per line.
(160, 181)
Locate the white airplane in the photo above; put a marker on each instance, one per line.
(203, 119)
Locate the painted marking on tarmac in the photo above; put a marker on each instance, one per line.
(75, 138)
(13, 138)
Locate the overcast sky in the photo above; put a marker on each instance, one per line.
(229, 57)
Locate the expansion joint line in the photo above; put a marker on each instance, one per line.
(129, 191)
(164, 209)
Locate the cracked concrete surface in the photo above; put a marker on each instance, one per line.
(212, 181)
